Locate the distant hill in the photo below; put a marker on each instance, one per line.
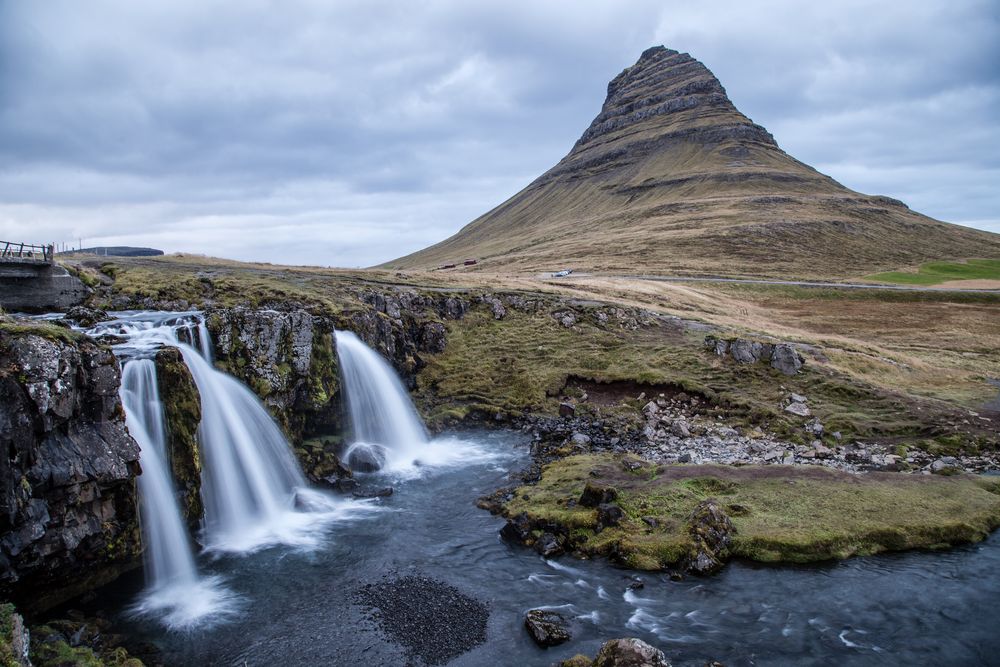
(115, 251)
(671, 178)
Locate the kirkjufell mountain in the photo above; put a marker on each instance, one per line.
(671, 178)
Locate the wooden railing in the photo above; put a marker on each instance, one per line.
(26, 252)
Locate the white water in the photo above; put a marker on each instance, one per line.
(175, 592)
(384, 423)
(254, 492)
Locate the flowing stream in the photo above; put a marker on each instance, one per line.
(281, 562)
(909, 608)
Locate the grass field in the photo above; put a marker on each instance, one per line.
(892, 365)
(936, 273)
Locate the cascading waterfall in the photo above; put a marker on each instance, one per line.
(387, 432)
(168, 553)
(254, 492)
(386, 428)
(175, 591)
(250, 478)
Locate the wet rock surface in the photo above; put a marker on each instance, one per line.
(546, 627)
(287, 358)
(431, 619)
(630, 652)
(68, 515)
(182, 416)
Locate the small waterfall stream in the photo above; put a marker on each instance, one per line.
(175, 591)
(387, 432)
(168, 552)
(250, 476)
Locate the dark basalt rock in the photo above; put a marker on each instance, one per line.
(594, 495)
(711, 532)
(548, 545)
(517, 529)
(182, 416)
(609, 515)
(68, 509)
(367, 458)
(630, 652)
(547, 628)
(85, 317)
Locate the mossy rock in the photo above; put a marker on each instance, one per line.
(182, 415)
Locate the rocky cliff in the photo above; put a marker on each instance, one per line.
(68, 513)
(670, 177)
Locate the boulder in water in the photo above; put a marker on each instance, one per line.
(365, 458)
(547, 628)
(630, 652)
(548, 545)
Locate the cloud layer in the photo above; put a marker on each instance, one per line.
(350, 133)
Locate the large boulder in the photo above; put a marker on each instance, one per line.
(711, 533)
(594, 495)
(546, 627)
(630, 652)
(68, 507)
(786, 359)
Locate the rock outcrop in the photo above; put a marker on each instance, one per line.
(287, 358)
(68, 513)
(782, 357)
(547, 627)
(630, 652)
(182, 415)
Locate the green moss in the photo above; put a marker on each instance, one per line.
(8, 656)
(46, 330)
(781, 513)
(182, 416)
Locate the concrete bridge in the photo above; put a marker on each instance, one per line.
(32, 282)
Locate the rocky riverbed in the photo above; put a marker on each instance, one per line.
(678, 429)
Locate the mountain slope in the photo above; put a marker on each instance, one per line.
(671, 178)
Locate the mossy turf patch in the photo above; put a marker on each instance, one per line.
(935, 273)
(47, 330)
(781, 513)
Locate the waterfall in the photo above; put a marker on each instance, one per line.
(250, 476)
(168, 553)
(387, 432)
(175, 592)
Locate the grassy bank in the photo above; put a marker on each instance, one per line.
(780, 513)
(936, 273)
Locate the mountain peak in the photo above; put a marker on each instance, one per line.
(670, 177)
(668, 90)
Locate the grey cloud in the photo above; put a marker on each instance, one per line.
(376, 128)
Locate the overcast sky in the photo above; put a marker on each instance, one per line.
(349, 133)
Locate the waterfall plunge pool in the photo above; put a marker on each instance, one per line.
(299, 606)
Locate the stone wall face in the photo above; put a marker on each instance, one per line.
(68, 511)
(39, 288)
